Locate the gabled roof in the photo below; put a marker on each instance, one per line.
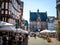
(34, 16)
(43, 16)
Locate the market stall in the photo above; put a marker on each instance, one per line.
(4, 24)
(48, 32)
(19, 30)
(6, 28)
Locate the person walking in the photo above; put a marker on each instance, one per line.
(48, 39)
(35, 35)
(20, 41)
(1, 41)
(4, 40)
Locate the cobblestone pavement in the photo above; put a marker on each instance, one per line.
(41, 41)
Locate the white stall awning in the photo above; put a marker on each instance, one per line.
(5, 24)
(8, 28)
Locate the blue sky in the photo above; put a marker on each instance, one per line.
(42, 5)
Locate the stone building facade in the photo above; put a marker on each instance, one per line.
(51, 23)
(38, 21)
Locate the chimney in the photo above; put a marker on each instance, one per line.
(37, 10)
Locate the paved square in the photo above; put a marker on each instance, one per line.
(40, 41)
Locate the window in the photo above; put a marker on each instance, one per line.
(3, 5)
(9, 12)
(2, 12)
(3, 18)
(6, 5)
(10, 6)
(6, 12)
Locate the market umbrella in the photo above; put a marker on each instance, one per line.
(5, 24)
(45, 31)
(19, 30)
(54, 31)
(8, 28)
(26, 31)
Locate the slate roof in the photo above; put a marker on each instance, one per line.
(34, 16)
